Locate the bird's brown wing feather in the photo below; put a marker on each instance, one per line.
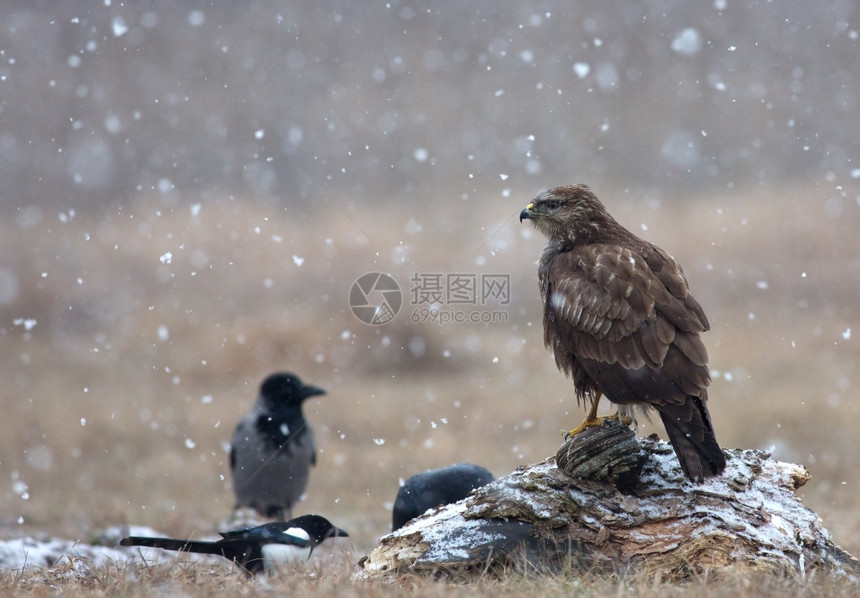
(634, 332)
(687, 315)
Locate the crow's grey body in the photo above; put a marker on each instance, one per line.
(273, 448)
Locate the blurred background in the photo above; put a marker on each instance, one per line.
(190, 190)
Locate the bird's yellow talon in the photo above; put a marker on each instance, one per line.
(617, 417)
(593, 422)
(588, 423)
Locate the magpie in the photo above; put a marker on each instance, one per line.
(256, 549)
(436, 487)
(273, 448)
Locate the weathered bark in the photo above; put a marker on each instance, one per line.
(748, 519)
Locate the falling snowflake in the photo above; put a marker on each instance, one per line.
(27, 323)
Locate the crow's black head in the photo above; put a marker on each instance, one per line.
(283, 389)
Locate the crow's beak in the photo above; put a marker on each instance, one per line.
(311, 391)
(528, 213)
(339, 533)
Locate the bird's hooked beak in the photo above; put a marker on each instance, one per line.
(528, 213)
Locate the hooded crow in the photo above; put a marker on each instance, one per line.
(436, 487)
(256, 549)
(273, 448)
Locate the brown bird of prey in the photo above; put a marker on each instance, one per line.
(620, 319)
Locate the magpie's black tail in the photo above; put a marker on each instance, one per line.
(692, 436)
(198, 546)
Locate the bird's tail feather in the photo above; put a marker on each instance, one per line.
(692, 436)
(198, 546)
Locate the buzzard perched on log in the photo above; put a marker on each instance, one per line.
(621, 322)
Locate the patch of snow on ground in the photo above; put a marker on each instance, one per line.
(24, 553)
(41, 553)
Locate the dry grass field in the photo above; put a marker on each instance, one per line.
(154, 326)
(183, 580)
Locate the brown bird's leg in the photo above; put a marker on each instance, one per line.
(591, 419)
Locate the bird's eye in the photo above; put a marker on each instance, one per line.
(552, 204)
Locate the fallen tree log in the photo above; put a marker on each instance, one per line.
(624, 506)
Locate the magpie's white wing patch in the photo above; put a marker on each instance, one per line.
(299, 533)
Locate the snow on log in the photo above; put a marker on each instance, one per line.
(626, 507)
